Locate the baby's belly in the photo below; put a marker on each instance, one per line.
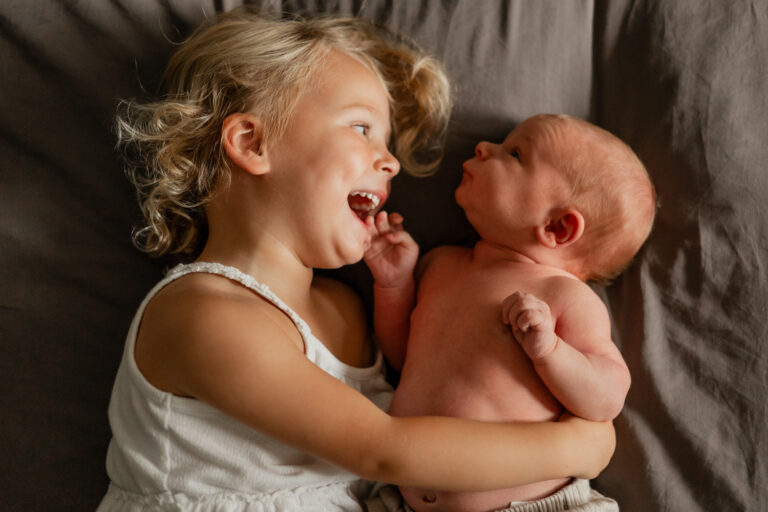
(489, 379)
(481, 383)
(421, 500)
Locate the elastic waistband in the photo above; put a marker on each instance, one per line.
(576, 496)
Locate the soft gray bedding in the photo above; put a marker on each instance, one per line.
(684, 82)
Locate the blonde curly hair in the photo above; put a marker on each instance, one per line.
(249, 61)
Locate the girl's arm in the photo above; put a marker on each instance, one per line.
(572, 353)
(391, 259)
(244, 360)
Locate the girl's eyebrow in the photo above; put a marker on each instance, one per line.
(373, 110)
(363, 106)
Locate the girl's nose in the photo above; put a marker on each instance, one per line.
(483, 150)
(388, 163)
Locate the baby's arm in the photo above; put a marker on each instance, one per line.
(573, 354)
(392, 258)
(245, 363)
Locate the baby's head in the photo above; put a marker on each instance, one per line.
(564, 184)
(246, 61)
(609, 187)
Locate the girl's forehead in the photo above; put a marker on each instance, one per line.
(344, 83)
(346, 69)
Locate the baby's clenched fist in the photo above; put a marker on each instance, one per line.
(530, 321)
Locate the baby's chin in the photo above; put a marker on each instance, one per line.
(458, 196)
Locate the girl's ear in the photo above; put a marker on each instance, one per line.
(242, 136)
(564, 227)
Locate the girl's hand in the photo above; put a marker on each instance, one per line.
(599, 437)
(530, 321)
(392, 255)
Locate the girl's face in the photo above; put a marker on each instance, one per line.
(333, 165)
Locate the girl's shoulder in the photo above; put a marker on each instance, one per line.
(199, 299)
(339, 319)
(333, 301)
(199, 313)
(337, 293)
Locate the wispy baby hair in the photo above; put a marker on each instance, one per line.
(249, 61)
(610, 186)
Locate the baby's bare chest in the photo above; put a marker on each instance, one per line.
(462, 309)
(462, 358)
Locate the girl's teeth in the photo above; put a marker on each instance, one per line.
(374, 199)
(363, 204)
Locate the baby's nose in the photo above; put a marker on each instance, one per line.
(483, 150)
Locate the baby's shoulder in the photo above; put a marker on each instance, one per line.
(448, 252)
(443, 257)
(564, 282)
(565, 288)
(567, 294)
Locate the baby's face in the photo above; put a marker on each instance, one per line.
(510, 187)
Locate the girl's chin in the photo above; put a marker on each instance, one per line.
(349, 255)
(351, 247)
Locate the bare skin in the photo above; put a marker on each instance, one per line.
(503, 331)
(464, 361)
(285, 213)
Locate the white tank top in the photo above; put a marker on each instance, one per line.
(177, 453)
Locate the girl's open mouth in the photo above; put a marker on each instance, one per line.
(363, 204)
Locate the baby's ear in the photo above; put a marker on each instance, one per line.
(242, 136)
(564, 226)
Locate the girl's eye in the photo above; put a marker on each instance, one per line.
(515, 153)
(362, 128)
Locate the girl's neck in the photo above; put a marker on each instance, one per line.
(268, 261)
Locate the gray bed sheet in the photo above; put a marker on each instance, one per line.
(684, 82)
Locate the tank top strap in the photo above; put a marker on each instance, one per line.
(235, 274)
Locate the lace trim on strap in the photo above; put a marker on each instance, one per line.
(246, 280)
